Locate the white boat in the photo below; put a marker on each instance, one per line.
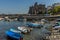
(16, 31)
(57, 27)
(25, 29)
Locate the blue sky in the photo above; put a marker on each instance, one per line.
(21, 6)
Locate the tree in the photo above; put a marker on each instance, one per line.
(56, 9)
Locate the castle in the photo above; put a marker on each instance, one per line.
(37, 9)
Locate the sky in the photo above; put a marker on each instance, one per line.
(21, 6)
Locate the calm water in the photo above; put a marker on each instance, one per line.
(5, 25)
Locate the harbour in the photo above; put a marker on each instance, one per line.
(5, 25)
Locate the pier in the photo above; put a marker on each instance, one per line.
(32, 17)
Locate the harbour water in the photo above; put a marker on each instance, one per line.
(5, 25)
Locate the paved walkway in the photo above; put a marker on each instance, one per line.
(54, 36)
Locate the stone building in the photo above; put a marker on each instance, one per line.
(49, 9)
(37, 9)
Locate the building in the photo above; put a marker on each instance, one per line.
(49, 9)
(56, 4)
(37, 9)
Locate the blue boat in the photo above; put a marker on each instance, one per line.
(35, 25)
(14, 36)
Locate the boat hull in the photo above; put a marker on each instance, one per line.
(13, 36)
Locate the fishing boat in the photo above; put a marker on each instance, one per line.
(13, 35)
(25, 29)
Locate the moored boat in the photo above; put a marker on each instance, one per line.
(24, 29)
(34, 25)
(14, 35)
